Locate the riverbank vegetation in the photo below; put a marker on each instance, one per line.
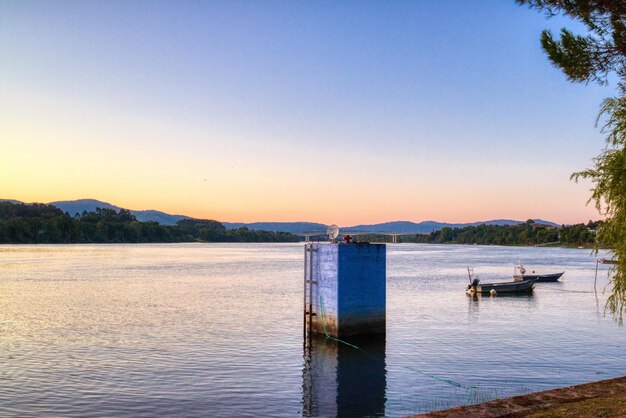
(529, 233)
(46, 224)
(599, 56)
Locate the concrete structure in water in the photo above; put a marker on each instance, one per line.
(345, 289)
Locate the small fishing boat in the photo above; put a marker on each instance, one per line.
(518, 286)
(520, 274)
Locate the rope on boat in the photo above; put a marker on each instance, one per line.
(441, 379)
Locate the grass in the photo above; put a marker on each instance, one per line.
(604, 406)
(598, 399)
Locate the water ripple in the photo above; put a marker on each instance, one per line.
(215, 329)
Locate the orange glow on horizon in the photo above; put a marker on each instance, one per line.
(344, 216)
(231, 180)
(339, 123)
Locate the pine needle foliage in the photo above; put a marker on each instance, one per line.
(592, 57)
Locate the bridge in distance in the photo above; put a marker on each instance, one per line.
(312, 234)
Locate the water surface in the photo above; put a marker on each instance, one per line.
(216, 330)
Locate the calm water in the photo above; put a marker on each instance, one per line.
(216, 330)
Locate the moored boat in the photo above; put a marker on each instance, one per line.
(518, 286)
(540, 277)
(520, 274)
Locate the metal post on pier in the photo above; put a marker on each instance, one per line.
(308, 290)
(306, 253)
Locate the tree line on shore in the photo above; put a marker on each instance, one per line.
(529, 233)
(46, 224)
(42, 224)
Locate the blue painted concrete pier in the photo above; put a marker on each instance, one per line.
(345, 289)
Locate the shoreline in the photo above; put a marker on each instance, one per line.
(595, 399)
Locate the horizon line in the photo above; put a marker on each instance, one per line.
(354, 224)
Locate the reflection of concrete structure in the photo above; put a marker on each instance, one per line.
(339, 380)
(345, 289)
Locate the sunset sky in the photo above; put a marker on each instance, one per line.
(347, 113)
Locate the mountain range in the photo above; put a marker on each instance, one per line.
(78, 206)
(396, 226)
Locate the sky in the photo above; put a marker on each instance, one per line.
(335, 112)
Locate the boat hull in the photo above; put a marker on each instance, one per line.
(540, 278)
(521, 286)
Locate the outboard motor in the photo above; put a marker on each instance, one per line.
(474, 284)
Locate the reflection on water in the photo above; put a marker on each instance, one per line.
(216, 330)
(528, 299)
(340, 380)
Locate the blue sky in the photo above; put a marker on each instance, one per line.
(408, 110)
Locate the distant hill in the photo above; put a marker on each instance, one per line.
(78, 206)
(157, 216)
(292, 227)
(40, 223)
(90, 205)
(430, 226)
(396, 226)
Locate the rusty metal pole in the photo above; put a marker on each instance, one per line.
(304, 304)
